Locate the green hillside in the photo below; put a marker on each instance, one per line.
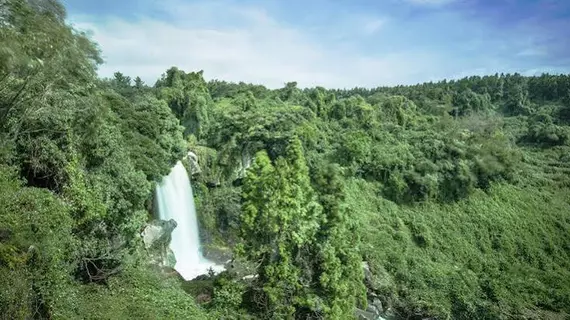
(454, 195)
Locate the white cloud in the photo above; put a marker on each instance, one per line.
(430, 2)
(544, 69)
(533, 52)
(247, 45)
(373, 25)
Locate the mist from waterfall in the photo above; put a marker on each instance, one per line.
(175, 200)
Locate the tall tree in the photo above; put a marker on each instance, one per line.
(280, 219)
(188, 97)
(336, 249)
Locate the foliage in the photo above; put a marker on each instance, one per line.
(188, 97)
(454, 192)
(337, 247)
(36, 251)
(220, 212)
(280, 217)
(306, 269)
(438, 146)
(137, 293)
(79, 163)
(491, 256)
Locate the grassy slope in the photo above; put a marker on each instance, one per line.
(494, 254)
(137, 294)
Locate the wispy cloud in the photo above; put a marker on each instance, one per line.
(257, 43)
(430, 2)
(533, 52)
(373, 25)
(249, 45)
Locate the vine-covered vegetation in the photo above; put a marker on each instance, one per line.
(452, 195)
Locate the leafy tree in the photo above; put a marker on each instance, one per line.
(188, 97)
(86, 155)
(337, 260)
(454, 191)
(36, 251)
(468, 102)
(280, 218)
(290, 93)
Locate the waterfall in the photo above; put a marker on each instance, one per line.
(176, 201)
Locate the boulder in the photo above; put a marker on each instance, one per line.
(156, 237)
(380, 305)
(158, 233)
(193, 161)
(390, 314)
(374, 311)
(375, 306)
(367, 315)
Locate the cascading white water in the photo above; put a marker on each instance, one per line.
(176, 201)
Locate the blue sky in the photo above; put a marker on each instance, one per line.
(342, 43)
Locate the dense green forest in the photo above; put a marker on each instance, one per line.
(445, 200)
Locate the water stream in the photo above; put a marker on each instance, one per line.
(175, 200)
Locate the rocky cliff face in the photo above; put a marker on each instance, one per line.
(156, 237)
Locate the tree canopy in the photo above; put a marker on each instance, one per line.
(444, 200)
